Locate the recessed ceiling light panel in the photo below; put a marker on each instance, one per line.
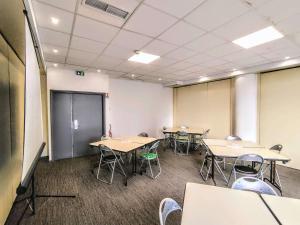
(142, 57)
(259, 37)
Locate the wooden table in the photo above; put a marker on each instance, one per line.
(287, 210)
(233, 149)
(192, 131)
(125, 145)
(211, 205)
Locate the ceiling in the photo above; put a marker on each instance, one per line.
(192, 37)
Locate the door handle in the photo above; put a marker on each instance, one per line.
(76, 124)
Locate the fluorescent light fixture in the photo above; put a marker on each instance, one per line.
(98, 71)
(142, 57)
(55, 50)
(54, 20)
(287, 57)
(159, 79)
(259, 37)
(55, 64)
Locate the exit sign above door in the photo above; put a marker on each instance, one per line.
(79, 73)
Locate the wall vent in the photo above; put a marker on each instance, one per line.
(103, 6)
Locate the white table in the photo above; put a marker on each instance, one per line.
(287, 210)
(211, 205)
(233, 149)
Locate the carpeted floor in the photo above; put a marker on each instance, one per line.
(98, 203)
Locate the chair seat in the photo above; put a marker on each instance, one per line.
(218, 159)
(245, 169)
(110, 158)
(149, 156)
(182, 140)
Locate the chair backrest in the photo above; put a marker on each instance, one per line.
(154, 146)
(167, 206)
(143, 134)
(106, 151)
(277, 147)
(182, 133)
(233, 138)
(252, 158)
(253, 184)
(205, 133)
(184, 127)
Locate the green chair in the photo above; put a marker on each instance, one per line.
(150, 154)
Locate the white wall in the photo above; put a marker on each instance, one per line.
(33, 137)
(65, 79)
(132, 106)
(137, 107)
(245, 121)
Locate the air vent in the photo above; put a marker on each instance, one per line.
(106, 8)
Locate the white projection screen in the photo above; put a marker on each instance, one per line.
(33, 106)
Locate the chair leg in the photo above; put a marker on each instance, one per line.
(99, 166)
(279, 182)
(221, 172)
(149, 163)
(113, 172)
(158, 163)
(142, 164)
(230, 176)
(224, 163)
(121, 167)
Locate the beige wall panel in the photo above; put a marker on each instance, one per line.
(190, 106)
(219, 108)
(280, 112)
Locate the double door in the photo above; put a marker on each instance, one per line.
(77, 120)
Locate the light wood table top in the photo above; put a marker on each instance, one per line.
(223, 142)
(124, 144)
(188, 130)
(234, 152)
(211, 205)
(287, 210)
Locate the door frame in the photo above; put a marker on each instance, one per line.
(52, 92)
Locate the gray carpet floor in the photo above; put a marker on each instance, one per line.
(115, 204)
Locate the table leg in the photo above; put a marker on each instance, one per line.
(213, 168)
(272, 179)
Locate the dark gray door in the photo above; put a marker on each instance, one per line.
(87, 122)
(61, 114)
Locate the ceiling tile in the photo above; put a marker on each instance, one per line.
(113, 74)
(127, 66)
(199, 58)
(256, 3)
(93, 30)
(214, 62)
(43, 14)
(67, 5)
(290, 25)
(48, 49)
(224, 49)
(53, 37)
(196, 69)
(130, 40)
(182, 65)
(163, 61)
(276, 45)
(79, 62)
(181, 33)
(180, 54)
(118, 52)
(107, 62)
(205, 42)
(149, 21)
(213, 13)
(87, 45)
(55, 58)
(278, 10)
(82, 55)
(177, 8)
(244, 25)
(159, 47)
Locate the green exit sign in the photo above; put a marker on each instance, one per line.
(79, 73)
